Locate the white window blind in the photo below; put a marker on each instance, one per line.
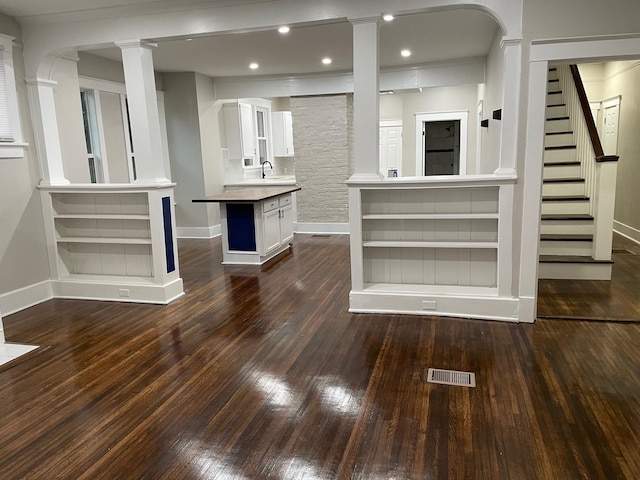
(6, 121)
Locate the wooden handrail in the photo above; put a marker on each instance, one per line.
(586, 110)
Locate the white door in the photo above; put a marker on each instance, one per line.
(610, 117)
(286, 224)
(391, 148)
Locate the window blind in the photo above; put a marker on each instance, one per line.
(6, 130)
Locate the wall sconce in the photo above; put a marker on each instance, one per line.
(497, 114)
(484, 123)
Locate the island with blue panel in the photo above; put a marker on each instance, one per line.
(257, 222)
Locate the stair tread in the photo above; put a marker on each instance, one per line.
(561, 164)
(561, 147)
(557, 105)
(568, 132)
(571, 259)
(554, 92)
(551, 119)
(565, 198)
(563, 180)
(566, 216)
(566, 237)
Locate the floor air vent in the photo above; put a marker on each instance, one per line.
(451, 377)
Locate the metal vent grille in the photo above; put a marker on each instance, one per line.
(451, 377)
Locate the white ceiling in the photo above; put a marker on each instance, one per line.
(431, 37)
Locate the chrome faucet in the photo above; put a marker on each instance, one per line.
(266, 161)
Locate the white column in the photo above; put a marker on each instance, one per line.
(510, 105)
(530, 237)
(45, 123)
(140, 83)
(366, 103)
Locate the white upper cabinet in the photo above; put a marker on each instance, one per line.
(282, 134)
(240, 132)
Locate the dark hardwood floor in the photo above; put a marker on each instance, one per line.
(617, 300)
(261, 373)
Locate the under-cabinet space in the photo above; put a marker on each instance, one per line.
(431, 266)
(105, 259)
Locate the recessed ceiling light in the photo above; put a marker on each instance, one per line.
(188, 39)
(253, 66)
(387, 17)
(327, 61)
(405, 53)
(284, 29)
(387, 92)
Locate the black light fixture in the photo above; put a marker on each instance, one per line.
(484, 123)
(497, 114)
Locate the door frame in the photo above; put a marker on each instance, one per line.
(462, 116)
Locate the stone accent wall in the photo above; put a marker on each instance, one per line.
(322, 137)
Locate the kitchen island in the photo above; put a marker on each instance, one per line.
(257, 222)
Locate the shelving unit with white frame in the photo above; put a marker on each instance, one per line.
(437, 245)
(112, 242)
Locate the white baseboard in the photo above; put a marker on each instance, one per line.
(12, 302)
(199, 232)
(323, 228)
(485, 308)
(626, 231)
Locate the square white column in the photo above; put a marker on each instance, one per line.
(510, 106)
(137, 61)
(366, 102)
(45, 123)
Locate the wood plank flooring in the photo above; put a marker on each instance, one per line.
(261, 373)
(617, 300)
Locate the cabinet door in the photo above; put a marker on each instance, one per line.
(288, 133)
(247, 132)
(271, 230)
(286, 224)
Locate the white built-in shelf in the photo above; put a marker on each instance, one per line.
(113, 240)
(430, 216)
(98, 216)
(428, 244)
(429, 289)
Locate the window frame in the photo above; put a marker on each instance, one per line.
(15, 148)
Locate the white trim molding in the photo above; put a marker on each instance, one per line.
(25, 297)
(321, 228)
(199, 232)
(627, 231)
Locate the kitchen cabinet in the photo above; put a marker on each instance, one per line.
(257, 223)
(240, 131)
(282, 134)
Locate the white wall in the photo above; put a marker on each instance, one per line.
(623, 78)
(210, 114)
(116, 148)
(23, 255)
(70, 126)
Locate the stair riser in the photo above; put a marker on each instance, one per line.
(566, 248)
(565, 207)
(561, 171)
(558, 189)
(582, 227)
(554, 98)
(558, 140)
(552, 75)
(562, 155)
(558, 125)
(556, 111)
(577, 271)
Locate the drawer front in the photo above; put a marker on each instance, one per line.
(269, 205)
(285, 200)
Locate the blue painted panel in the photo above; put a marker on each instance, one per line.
(168, 235)
(241, 229)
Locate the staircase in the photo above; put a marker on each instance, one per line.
(567, 225)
